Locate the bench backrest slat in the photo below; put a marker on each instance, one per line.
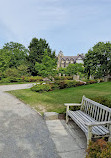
(96, 110)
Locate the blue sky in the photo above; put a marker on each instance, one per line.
(73, 26)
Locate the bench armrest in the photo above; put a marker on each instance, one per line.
(72, 104)
(98, 123)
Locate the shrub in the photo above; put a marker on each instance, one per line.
(91, 81)
(63, 78)
(79, 83)
(5, 80)
(99, 149)
(13, 72)
(61, 84)
(1, 75)
(102, 100)
(41, 88)
(32, 78)
(100, 80)
(70, 83)
(54, 86)
(60, 78)
(69, 77)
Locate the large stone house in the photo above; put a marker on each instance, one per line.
(64, 61)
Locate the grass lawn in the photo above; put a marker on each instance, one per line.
(54, 100)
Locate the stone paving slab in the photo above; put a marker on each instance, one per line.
(73, 154)
(50, 115)
(70, 141)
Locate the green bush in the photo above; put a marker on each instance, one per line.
(54, 86)
(99, 149)
(91, 81)
(10, 80)
(79, 83)
(5, 80)
(102, 100)
(69, 77)
(41, 88)
(32, 78)
(12, 72)
(70, 84)
(100, 80)
(63, 78)
(61, 84)
(1, 75)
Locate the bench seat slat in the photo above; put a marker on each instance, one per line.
(80, 122)
(101, 129)
(81, 118)
(95, 130)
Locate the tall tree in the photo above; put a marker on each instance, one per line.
(98, 60)
(48, 66)
(74, 69)
(17, 52)
(5, 59)
(37, 49)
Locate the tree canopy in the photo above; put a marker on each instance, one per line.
(37, 50)
(4, 59)
(17, 52)
(74, 69)
(48, 66)
(98, 60)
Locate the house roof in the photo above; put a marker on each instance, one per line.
(72, 57)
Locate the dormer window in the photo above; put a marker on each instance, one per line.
(67, 60)
(71, 61)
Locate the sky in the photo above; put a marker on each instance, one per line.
(72, 26)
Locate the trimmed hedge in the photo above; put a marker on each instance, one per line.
(10, 80)
(41, 88)
(32, 78)
(63, 78)
(68, 83)
(22, 79)
(54, 86)
(102, 100)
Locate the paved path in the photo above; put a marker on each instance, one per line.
(70, 141)
(23, 132)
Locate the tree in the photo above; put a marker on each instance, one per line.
(98, 60)
(17, 52)
(48, 66)
(5, 59)
(37, 50)
(62, 70)
(74, 69)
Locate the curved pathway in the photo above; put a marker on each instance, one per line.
(23, 132)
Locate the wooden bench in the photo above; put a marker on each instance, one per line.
(93, 118)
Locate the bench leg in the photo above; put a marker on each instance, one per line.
(89, 135)
(67, 118)
(109, 139)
